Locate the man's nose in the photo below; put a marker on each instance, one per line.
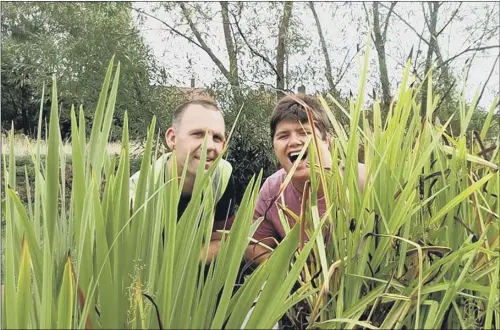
(210, 142)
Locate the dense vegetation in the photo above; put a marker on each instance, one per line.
(419, 247)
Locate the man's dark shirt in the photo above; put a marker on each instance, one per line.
(224, 208)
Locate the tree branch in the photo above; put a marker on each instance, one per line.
(407, 24)
(281, 48)
(444, 96)
(324, 48)
(342, 74)
(368, 20)
(268, 85)
(487, 80)
(202, 43)
(236, 17)
(425, 16)
(434, 9)
(386, 23)
(449, 21)
(231, 52)
(418, 52)
(380, 47)
(168, 26)
(256, 53)
(466, 51)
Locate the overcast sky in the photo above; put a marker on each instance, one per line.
(343, 29)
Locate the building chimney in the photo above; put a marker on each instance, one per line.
(192, 82)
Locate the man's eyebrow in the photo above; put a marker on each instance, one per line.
(196, 130)
(219, 134)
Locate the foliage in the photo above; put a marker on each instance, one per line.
(418, 248)
(73, 41)
(451, 101)
(250, 146)
(103, 265)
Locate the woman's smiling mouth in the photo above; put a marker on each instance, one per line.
(293, 156)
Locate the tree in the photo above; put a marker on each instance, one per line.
(231, 50)
(193, 24)
(432, 26)
(324, 48)
(481, 35)
(74, 41)
(190, 14)
(379, 37)
(281, 48)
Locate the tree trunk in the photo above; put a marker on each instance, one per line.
(434, 7)
(281, 48)
(380, 47)
(201, 42)
(231, 51)
(26, 125)
(328, 72)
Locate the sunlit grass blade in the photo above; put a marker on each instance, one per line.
(24, 286)
(65, 300)
(95, 134)
(52, 171)
(487, 121)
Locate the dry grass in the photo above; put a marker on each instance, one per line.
(23, 145)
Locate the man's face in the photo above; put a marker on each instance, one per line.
(288, 141)
(188, 135)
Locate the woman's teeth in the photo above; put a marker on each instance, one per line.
(294, 155)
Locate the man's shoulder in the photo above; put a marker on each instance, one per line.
(159, 163)
(225, 166)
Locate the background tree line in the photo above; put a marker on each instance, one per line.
(259, 52)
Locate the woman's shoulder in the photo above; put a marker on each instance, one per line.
(272, 184)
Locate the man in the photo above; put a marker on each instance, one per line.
(193, 120)
(290, 129)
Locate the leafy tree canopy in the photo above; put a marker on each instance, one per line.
(74, 41)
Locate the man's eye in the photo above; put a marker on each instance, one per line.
(217, 138)
(199, 134)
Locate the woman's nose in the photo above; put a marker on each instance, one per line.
(296, 139)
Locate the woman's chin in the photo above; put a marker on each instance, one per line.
(301, 175)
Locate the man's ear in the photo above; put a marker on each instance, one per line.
(170, 138)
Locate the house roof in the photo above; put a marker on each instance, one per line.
(192, 93)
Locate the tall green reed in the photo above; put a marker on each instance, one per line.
(419, 246)
(98, 263)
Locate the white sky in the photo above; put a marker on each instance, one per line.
(343, 31)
